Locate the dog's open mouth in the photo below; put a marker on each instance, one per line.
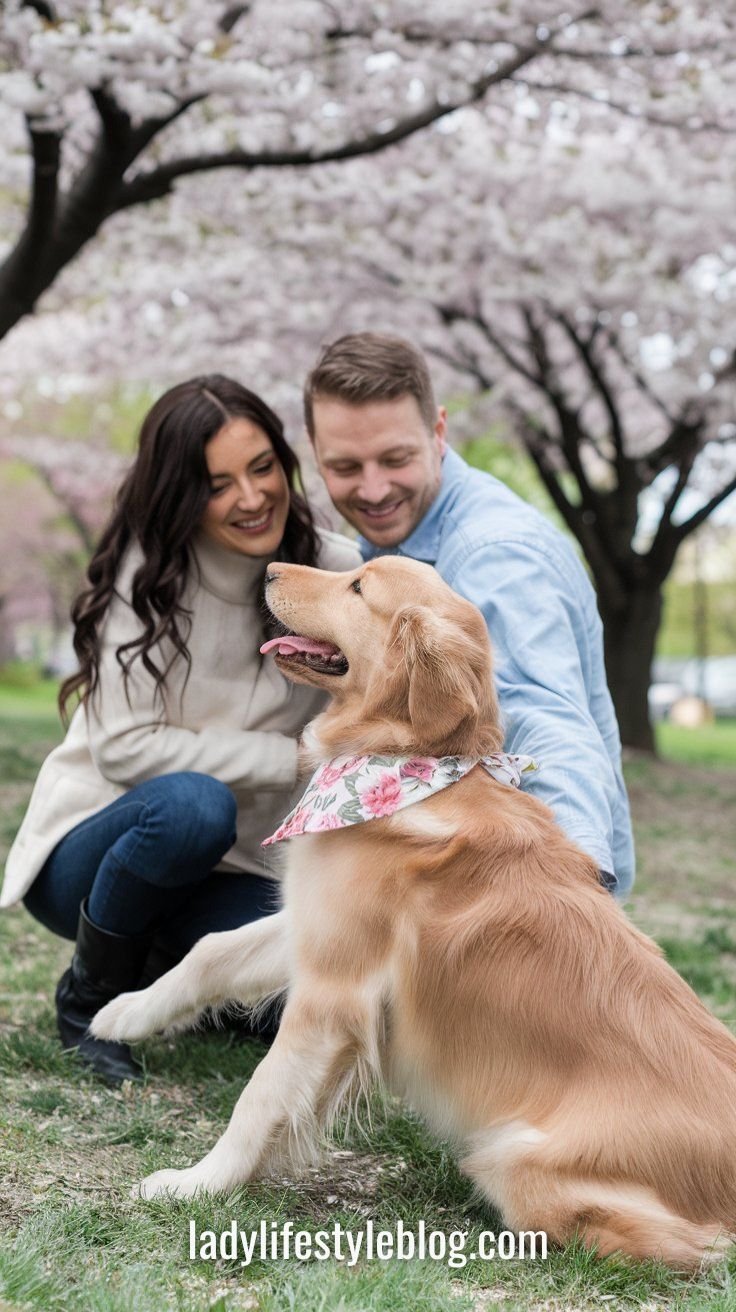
(323, 657)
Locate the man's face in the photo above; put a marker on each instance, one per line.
(381, 464)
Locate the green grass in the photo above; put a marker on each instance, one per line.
(711, 744)
(677, 635)
(37, 701)
(74, 1241)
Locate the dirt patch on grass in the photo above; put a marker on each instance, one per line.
(684, 821)
(345, 1180)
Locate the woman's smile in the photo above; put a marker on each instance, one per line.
(259, 524)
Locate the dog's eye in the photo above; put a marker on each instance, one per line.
(355, 585)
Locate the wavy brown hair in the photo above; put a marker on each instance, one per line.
(160, 505)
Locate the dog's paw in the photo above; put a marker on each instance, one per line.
(170, 1184)
(127, 1018)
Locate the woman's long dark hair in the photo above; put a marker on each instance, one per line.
(160, 505)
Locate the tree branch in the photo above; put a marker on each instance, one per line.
(26, 255)
(662, 551)
(598, 378)
(638, 52)
(536, 442)
(464, 363)
(450, 314)
(639, 378)
(674, 446)
(43, 9)
(570, 435)
(46, 151)
(157, 182)
(705, 511)
(231, 16)
(150, 127)
(642, 115)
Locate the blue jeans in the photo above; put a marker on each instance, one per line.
(146, 864)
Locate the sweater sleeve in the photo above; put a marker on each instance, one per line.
(336, 552)
(131, 741)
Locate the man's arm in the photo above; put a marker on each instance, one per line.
(548, 663)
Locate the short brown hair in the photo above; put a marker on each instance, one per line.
(366, 367)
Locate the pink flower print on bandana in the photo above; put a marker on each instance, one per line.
(295, 823)
(326, 821)
(383, 797)
(352, 789)
(328, 775)
(419, 767)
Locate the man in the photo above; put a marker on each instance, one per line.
(380, 444)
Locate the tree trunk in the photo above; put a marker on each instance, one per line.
(630, 635)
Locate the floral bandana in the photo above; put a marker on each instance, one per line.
(351, 789)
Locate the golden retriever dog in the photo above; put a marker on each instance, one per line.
(463, 952)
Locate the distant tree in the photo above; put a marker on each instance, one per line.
(51, 538)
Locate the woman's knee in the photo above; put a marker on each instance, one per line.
(196, 811)
(55, 911)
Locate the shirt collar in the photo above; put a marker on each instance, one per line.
(423, 543)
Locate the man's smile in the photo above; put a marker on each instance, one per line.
(380, 512)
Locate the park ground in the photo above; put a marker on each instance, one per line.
(74, 1241)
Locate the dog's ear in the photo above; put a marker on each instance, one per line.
(439, 672)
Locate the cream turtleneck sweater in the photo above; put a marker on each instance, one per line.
(235, 718)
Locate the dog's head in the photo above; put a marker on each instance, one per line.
(406, 659)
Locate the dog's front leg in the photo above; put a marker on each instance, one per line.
(291, 1095)
(240, 965)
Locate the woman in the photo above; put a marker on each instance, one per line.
(144, 827)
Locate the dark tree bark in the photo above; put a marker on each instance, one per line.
(604, 519)
(630, 636)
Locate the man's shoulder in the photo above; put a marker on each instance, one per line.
(485, 514)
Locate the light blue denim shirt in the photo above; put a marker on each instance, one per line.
(547, 639)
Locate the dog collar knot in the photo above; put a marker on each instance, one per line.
(351, 789)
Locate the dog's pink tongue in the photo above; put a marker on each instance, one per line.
(291, 644)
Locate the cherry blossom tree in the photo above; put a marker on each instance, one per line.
(118, 102)
(49, 531)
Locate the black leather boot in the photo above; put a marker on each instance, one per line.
(104, 965)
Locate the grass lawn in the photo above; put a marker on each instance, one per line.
(712, 744)
(74, 1241)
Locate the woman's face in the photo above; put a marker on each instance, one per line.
(249, 501)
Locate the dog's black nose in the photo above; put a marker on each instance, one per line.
(271, 576)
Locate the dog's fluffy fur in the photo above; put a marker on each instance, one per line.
(463, 952)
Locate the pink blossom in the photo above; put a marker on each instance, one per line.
(422, 767)
(383, 798)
